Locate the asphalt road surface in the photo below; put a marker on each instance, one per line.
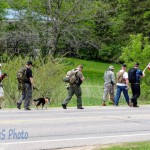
(57, 128)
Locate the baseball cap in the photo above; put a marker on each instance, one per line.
(111, 67)
(29, 62)
(124, 65)
(136, 64)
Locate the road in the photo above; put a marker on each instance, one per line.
(57, 128)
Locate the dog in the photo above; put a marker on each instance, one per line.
(42, 101)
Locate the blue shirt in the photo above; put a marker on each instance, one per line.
(138, 75)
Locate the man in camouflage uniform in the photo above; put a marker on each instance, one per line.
(74, 88)
(109, 78)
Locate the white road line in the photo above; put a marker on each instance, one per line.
(74, 139)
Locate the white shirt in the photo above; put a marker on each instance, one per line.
(125, 76)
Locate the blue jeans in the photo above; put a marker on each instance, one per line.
(125, 92)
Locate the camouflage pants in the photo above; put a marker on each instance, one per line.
(74, 90)
(108, 89)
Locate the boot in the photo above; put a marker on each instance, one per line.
(103, 104)
(64, 106)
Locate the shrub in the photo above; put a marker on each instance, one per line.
(138, 50)
(47, 74)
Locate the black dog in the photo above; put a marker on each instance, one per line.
(42, 101)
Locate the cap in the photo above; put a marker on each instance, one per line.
(0, 65)
(111, 67)
(29, 62)
(136, 64)
(124, 65)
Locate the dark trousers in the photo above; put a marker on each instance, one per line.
(26, 96)
(136, 91)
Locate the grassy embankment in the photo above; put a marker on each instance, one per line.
(128, 146)
(92, 87)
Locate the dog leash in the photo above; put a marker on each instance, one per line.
(38, 91)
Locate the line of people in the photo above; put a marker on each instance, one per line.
(121, 82)
(122, 85)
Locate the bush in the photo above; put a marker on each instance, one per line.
(47, 74)
(138, 51)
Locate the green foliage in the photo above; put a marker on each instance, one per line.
(95, 30)
(137, 16)
(108, 26)
(138, 50)
(129, 146)
(47, 75)
(3, 6)
(92, 87)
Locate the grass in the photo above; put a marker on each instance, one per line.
(128, 146)
(92, 88)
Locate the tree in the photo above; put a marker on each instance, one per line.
(3, 5)
(137, 17)
(138, 51)
(58, 26)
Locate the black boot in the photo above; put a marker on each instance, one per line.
(80, 107)
(64, 106)
(18, 105)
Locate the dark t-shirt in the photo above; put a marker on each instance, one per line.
(29, 75)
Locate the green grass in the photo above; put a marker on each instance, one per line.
(92, 87)
(128, 146)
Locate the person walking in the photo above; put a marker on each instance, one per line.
(109, 78)
(2, 76)
(75, 88)
(28, 88)
(122, 85)
(135, 87)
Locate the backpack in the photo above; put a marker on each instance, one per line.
(21, 77)
(71, 76)
(120, 78)
(132, 75)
